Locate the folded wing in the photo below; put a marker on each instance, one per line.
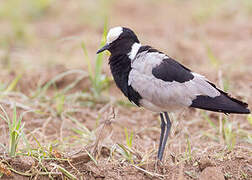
(169, 85)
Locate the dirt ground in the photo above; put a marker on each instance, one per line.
(75, 135)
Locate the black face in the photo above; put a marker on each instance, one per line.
(123, 44)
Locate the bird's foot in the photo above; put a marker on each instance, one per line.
(158, 166)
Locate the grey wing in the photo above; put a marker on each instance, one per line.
(167, 95)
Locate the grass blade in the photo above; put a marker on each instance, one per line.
(91, 157)
(99, 59)
(13, 84)
(64, 171)
(88, 61)
(206, 117)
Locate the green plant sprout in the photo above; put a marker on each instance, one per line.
(98, 80)
(15, 129)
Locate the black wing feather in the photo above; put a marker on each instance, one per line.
(223, 103)
(170, 70)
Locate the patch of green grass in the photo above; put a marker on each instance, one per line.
(41, 91)
(210, 122)
(99, 81)
(225, 131)
(59, 97)
(228, 133)
(15, 129)
(87, 136)
(10, 87)
(245, 135)
(188, 152)
(64, 171)
(60, 100)
(249, 118)
(127, 151)
(44, 157)
(226, 85)
(128, 137)
(214, 61)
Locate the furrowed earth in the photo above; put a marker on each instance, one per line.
(73, 133)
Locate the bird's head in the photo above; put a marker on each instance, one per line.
(119, 40)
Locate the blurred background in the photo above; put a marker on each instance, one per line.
(48, 62)
(41, 38)
(204, 35)
(46, 32)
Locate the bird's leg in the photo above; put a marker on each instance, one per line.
(168, 127)
(161, 135)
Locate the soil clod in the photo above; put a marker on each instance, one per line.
(211, 173)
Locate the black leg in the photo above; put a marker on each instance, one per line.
(161, 135)
(168, 127)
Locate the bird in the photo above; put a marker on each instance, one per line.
(157, 82)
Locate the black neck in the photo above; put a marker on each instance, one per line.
(120, 66)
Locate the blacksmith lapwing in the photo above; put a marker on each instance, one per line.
(155, 81)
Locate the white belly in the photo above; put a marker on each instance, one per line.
(152, 107)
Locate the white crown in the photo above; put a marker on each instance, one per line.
(114, 33)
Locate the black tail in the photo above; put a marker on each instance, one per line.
(223, 103)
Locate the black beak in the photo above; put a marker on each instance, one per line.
(106, 47)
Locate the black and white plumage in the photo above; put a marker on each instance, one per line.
(155, 81)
